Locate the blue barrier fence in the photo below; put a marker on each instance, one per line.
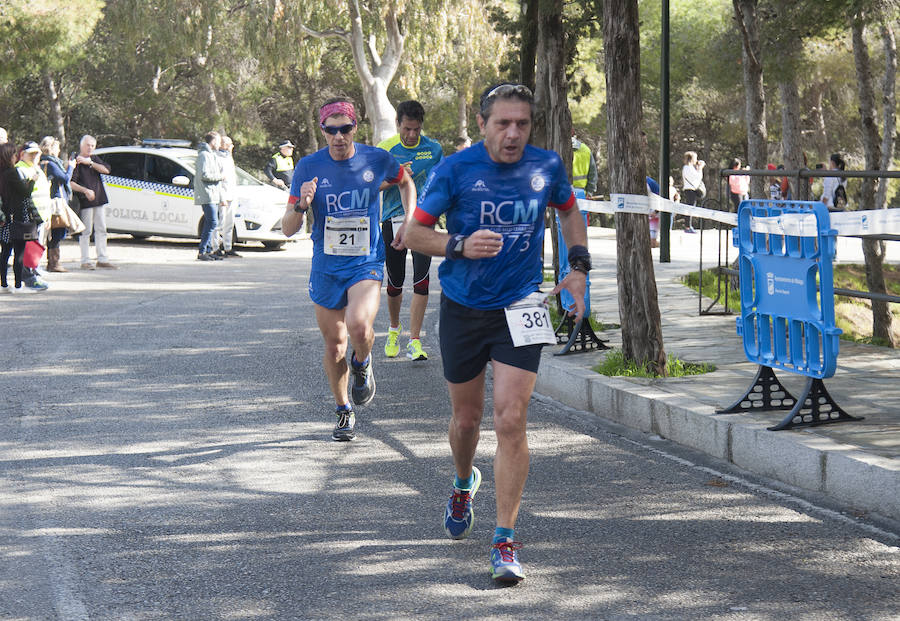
(787, 310)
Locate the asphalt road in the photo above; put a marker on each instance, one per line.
(165, 453)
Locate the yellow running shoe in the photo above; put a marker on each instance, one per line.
(414, 350)
(392, 347)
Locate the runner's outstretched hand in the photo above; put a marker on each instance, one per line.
(575, 283)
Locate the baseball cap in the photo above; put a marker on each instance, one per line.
(31, 147)
(286, 143)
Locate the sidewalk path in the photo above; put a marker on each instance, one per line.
(854, 462)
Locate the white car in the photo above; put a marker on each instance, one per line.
(150, 191)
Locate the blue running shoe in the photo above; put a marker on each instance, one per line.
(362, 388)
(459, 517)
(505, 567)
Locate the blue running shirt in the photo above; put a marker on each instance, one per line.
(346, 189)
(478, 193)
(422, 158)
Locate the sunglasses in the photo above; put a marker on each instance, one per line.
(506, 90)
(334, 129)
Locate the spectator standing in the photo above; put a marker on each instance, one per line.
(229, 186)
(87, 184)
(833, 198)
(584, 167)
(653, 188)
(738, 185)
(15, 195)
(208, 192)
(774, 184)
(280, 167)
(60, 192)
(693, 187)
(40, 198)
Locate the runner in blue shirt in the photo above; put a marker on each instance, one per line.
(495, 194)
(340, 184)
(419, 154)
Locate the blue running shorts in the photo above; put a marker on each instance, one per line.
(330, 290)
(470, 337)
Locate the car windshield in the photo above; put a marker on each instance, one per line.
(243, 177)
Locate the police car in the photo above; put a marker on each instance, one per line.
(150, 191)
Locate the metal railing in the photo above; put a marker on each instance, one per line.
(723, 270)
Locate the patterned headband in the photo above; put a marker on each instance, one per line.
(336, 108)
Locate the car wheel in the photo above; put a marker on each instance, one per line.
(272, 245)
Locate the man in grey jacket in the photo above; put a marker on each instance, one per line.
(208, 192)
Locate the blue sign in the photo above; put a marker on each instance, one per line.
(787, 288)
(565, 298)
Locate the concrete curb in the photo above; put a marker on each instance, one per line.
(846, 473)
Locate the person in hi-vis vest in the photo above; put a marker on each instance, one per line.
(584, 167)
(280, 167)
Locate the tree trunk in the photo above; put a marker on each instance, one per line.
(873, 249)
(791, 138)
(56, 116)
(642, 338)
(754, 93)
(529, 11)
(376, 78)
(553, 121)
(462, 113)
(888, 106)
(818, 120)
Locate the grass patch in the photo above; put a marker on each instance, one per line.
(710, 287)
(852, 315)
(615, 364)
(596, 324)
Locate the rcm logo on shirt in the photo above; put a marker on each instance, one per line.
(347, 201)
(509, 212)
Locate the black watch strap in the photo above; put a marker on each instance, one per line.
(299, 209)
(455, 247)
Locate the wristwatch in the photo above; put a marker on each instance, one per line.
(299, 209)
(455, 247)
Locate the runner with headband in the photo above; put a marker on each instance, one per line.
(339, 186)
(494, 195)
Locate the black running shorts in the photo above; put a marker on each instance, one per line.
(470, 337)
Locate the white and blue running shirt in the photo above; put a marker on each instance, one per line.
(478, 193)
(345, 189)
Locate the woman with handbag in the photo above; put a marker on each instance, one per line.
(19, 217)
(60, 192)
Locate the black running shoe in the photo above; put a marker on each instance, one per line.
(344, 427)
(362, 387)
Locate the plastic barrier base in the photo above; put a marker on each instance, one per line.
(814, 407)
(765, 393)
(578, 338)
